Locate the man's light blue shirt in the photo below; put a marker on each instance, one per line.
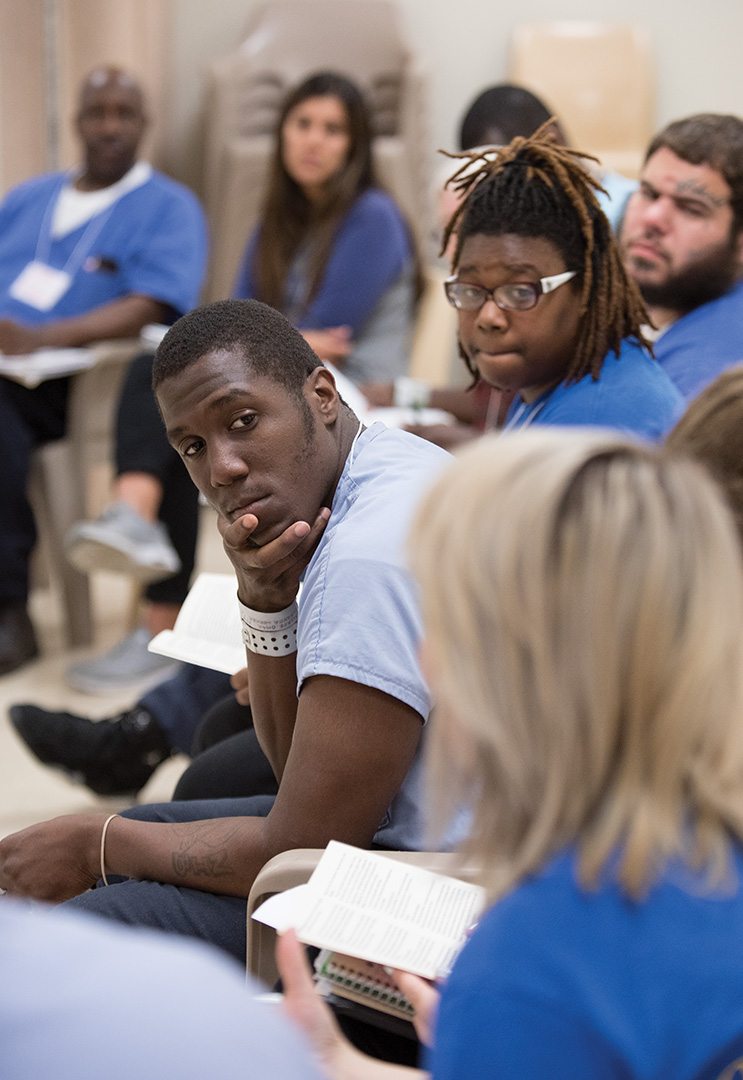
(359, 614)
(82, 998)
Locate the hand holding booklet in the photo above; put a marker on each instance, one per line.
(366, 912)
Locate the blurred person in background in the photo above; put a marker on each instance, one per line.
(332, 251)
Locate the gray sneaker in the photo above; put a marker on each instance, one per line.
(122, 541)
(128, 664)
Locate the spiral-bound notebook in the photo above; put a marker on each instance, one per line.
(361, 982)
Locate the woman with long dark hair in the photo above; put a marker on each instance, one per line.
(332, 251)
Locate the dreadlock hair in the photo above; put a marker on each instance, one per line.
(536, 187)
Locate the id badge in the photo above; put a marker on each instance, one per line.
(40, 286)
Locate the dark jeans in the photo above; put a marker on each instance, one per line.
(227, 759)
(178, 704)
(141, 446)
(28, 418)
(189, 912)
(219, 920)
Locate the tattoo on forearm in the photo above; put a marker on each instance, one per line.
(201, 865)
(203, 852)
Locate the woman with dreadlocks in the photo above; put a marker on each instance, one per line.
(545, 308)
(546, 311)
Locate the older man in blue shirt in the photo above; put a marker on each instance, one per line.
(95, 253)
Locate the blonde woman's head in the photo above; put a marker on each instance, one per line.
(583, 605)
(711, 431)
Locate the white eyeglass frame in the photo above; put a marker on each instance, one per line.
(544, 286)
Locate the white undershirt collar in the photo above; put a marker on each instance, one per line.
(73, 208)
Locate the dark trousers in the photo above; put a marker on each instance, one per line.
(184, 708)
(28, 418)
(227, 758)
(141, 446)
(179, 704)
(220, 920)
(189, 912)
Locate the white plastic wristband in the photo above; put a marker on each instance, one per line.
(411, 393)
(270, 633)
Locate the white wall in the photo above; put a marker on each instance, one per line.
(697, 46)
(463, 44)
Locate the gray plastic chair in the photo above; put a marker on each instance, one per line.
(59, 486)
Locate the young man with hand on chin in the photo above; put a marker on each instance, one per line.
(302, 491)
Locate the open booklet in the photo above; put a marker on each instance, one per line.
(366, 912)
(45, 364)
(207, 631)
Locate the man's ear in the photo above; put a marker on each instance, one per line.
(321, 390)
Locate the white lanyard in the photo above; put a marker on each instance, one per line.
(514, 421)
(82, 248)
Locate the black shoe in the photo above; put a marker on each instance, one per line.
(112, 757)
(17, 637)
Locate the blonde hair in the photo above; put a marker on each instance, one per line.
(711, 432)
(583, 603)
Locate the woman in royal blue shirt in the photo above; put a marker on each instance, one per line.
(584, 650)
(332, 251)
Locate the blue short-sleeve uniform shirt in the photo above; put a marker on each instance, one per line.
(151, 242)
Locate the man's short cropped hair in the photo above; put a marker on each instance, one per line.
(709, 139)
(268, 342)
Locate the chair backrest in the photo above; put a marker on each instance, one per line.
(600, 80)
(433, 356)
(288, 40)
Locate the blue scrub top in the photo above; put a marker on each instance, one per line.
(151, 242)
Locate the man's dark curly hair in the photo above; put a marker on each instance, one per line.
(269, 344)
